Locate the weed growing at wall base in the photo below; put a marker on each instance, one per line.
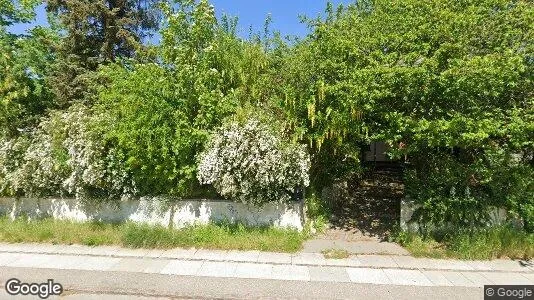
(212, 236)
(490, 243)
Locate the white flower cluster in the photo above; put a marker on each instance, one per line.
(91, 165)
(63, 156)
(251, 164)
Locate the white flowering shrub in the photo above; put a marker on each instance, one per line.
(11, 160)
(41, 172)
(93, 168)
(64, 156)
(250, 163)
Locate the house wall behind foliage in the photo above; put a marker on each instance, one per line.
(155, 211)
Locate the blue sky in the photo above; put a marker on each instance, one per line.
(250, 12)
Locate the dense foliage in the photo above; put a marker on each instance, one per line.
(24, 64)
(450, 81)
(96, 33)
(88, 108)
(65, 155)
(248, 161)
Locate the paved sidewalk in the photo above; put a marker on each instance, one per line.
(368, 269)
(369, 247)
(353, 241)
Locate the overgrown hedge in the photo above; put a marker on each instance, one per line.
(447, 84)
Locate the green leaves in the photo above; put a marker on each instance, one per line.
(24, 64)
(450, 81)
(436, 76)
(14, 11)
(161, 114)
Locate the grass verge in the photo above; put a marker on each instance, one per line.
(491, 243)
(212, 236)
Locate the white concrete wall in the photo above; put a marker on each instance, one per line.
(155, 211)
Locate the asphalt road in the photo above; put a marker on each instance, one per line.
(126, 285)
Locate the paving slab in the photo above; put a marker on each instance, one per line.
(65, 262)
(281, 266)
(477, 279)
(217, 269)
(437, 278)
(144, 265)
(78, 262)
(182, 267)
(277, 266)
(6, 258)
(7, 247)
(479, 265)
(216, 255)
(409, 262)
(104, 250)
(457, 278)
(355, 247)
(251, 270)
(156, 266)
(346, 262)
(126, 252)
(243, 256)
(328, 274)
(308, 259)
(275, 258)
(82, 249)
(155, 253)
(97, 263)
(529, 276)
(290, 272)
(43, 248)
(502, 278)
(407, 277)
(74, 249)
(366, 275)
(509, 265)
(377, 261)
(31, 260)
(179, 253)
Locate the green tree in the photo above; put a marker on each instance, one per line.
(25, 61)
(97, 33)
(24, 64)
(448, 79)
(16, 11)
(159, 115)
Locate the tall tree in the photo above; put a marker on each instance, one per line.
(97, 32)
(24, 64)
(15, 11)
(25, 61)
